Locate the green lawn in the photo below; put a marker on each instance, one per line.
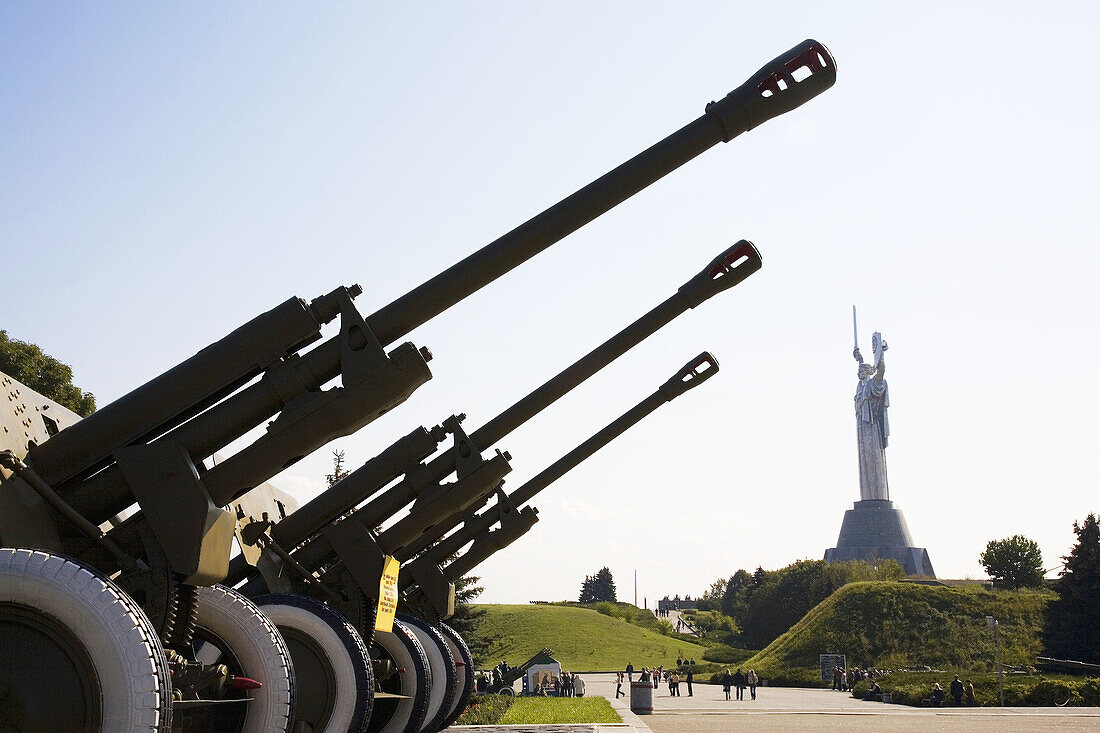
(582, 639)
(494, 709)
(560, 710)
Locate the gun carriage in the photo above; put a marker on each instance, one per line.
(117, 538)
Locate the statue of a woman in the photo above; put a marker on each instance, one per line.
(872, 428)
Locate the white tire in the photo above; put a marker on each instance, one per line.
(334, 683)
(413, 682)
(80, 648)
(464, 684)
(442, 664)
(230, 630)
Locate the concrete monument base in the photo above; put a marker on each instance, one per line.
(876, 529)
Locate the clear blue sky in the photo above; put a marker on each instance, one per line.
(167, 171)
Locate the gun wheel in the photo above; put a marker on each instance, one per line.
(464, 682)
(333, 674)
(403, 704)
(78, 653)
(444, 671)
(231, 630)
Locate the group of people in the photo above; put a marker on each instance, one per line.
(959, 691)
(658, 673)
(493, 679)
(962, 693)
(739, 681)
(569, 684)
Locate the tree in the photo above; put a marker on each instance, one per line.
(775, 600)
(338, 471)
(1014, 562)
(1072, 629)
(467, 617)
(711, 600)
(737, 582)
(598, 587)
(44, 374)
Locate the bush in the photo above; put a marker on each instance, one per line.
(726, 654)
(910, 688)
(791, 677)
(485, 710)
(633, 615)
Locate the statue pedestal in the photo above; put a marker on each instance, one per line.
(876, 529)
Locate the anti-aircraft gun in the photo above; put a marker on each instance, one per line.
(67, 497)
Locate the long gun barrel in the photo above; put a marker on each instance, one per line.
(515, 522)
(725, 271)
(186, 389)
(782, 85)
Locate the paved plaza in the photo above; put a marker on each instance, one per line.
(794, 709)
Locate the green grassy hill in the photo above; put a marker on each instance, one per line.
(582, 639)
(891, 625)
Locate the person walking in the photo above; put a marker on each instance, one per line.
(618, 685)
(739, 683)
(629, 672)
(968, 690)
(674, 683)
(727, 681)
(957, 691)
(688, 677)
(753, 681)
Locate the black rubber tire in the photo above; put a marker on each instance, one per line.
(320, 637)
(465, 683)
(113, 637)
(444, 671)
(404, 649)
(243, 637)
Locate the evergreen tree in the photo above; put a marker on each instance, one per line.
(759, 577)
(44, 374)
(467, 617)
(338, 471)
(1072, 629)
(598, 587)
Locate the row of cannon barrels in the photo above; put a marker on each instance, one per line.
(122, 606)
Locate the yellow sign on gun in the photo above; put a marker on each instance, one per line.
(387, 596)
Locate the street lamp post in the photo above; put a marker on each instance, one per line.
(996, 626)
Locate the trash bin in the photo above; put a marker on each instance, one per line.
(641, 698)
